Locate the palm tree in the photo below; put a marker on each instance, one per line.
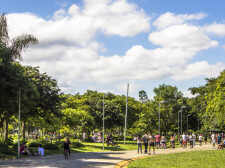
(17, 44)
(11, 49)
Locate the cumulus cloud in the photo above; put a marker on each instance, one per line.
(187, 93)
(68, 49)
(133, 87)
(215, 28)
(198, 69)
(189, 37)
(169, 19)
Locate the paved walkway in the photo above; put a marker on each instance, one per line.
(88, 160)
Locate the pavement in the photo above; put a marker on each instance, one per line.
(90, 160)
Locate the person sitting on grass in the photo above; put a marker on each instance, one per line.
(24, 150)
(111, 140)
(221, 145)
(40, 150)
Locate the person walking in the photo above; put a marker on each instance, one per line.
(200, 139)
(190, 140)
(139, 143)
(205, 138)
(218, 139)
(145, 141)
(157, 140)
(184, 137)
(163, 140)
(172, 141)
(151, 144)
(213, 140)
(194, 138)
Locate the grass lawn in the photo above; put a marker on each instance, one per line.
(206, 159)
(89, 147)
(98, 147)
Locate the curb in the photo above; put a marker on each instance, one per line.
(124, 163)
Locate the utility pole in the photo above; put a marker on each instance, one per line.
(19, 125)
(126, 114)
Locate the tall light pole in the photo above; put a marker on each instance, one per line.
(187, 121)
(104, 118)
(178, 137)
(159, 114)
(181, 117)
(126, 114)
(19, 125)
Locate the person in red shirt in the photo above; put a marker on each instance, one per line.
(157, 140)
(24, 150)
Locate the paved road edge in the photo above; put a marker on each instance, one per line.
(124, 163)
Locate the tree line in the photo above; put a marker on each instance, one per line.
(46, 109)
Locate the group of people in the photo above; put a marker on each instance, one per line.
(151, 141)
(25, 151)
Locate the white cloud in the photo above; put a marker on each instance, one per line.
(191, 38)
(68, 49)
(187, 93)
(215, 28)
(169, 19)
(198, 69)
(133, 87)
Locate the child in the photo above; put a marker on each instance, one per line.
(40, 150)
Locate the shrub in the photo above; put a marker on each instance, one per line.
(33, 144)
(50, 146)
(4, 148)
(42, 141)
(77, 145)
(88, 140)
(15, 146)
(10, 141)
(59, 144)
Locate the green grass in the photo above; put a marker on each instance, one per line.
(89, 147)
(98, 147)
(206, 159)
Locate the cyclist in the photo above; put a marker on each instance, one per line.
(67, 144)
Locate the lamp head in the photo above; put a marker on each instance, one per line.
(183, 107)
(163, 101)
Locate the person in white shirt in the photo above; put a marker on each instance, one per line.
(213, 140)
(194, 138)
(191, 140)
(184, 137)
(41, 150)
(200, 139)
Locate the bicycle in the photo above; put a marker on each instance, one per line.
(66, 153)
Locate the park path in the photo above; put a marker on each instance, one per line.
(88, 160)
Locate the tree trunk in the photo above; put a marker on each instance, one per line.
(6, 129)
(23, 129)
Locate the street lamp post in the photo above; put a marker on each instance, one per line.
(126, 114)
(19, 125)
(178, 137)
(181, 117)
(159, 114)
(104, 118)
(187, 121)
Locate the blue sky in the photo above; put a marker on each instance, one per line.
(105, 44)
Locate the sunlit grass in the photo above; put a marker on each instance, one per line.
(206, 159)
